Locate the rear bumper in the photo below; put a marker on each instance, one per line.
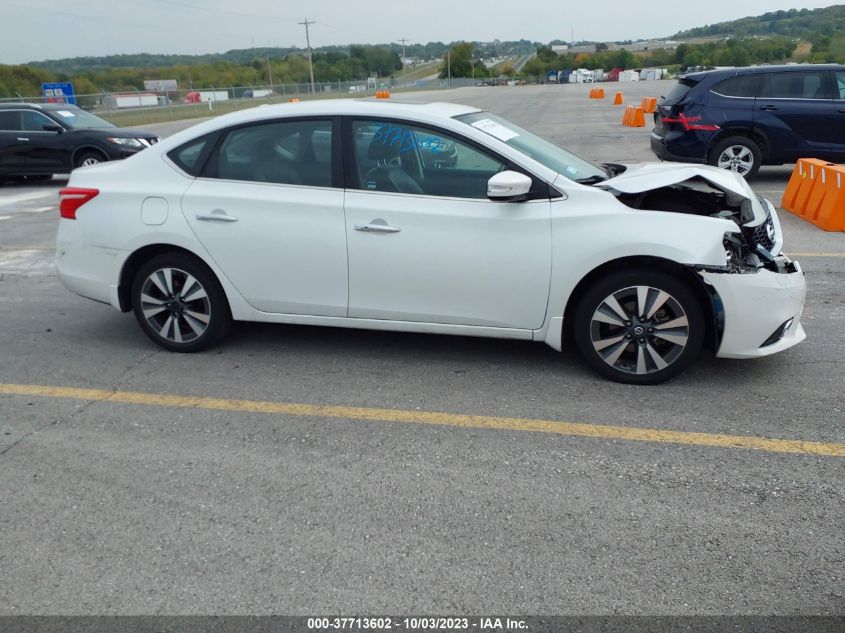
(755, 307)
(91, 272)
(664, 148)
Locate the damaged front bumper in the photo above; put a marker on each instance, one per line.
(760, 311)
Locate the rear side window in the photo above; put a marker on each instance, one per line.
(795, 85)
(840, 85)
(678, 91)
(10, 121)
(739, 86)
(281, 152)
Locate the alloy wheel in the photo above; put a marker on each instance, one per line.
(175, 305)
(639, 330)
(90, 160)
(738, 158)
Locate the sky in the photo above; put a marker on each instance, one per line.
(35, 30)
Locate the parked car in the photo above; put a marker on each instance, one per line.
(327, 213)
(742, 118)
(39, 140)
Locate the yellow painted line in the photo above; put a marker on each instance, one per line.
(816, 255)
(602, 431)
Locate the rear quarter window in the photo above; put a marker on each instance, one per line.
(191, 156)
(740, 86)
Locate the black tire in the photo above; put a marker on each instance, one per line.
(89, 157)
(629, 352)
(731, 153)
(193, 316)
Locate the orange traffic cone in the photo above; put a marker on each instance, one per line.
(617, 100)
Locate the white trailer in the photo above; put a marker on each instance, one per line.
(629, 75)
(138, 100)
(213, 95)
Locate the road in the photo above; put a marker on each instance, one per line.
(313, 470)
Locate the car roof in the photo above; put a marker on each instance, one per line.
(750, 70)
(421, 110)
(37, 106)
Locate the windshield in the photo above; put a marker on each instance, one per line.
(80, 119)
(555, 158)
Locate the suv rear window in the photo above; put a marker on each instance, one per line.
(678, 91)
(739, 86)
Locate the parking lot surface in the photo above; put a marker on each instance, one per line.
(313, 470)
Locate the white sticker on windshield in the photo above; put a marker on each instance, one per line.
(66, 113)
(495, 129)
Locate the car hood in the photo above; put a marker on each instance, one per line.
(646, 176)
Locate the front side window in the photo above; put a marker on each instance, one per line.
(281, 152)
(36, 122)
(397, 157)
(795, 85)
(10, 121)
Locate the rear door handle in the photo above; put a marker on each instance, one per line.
(769, 108)
(376, 227)
(842, 111)
(23, 138)
(218, 215)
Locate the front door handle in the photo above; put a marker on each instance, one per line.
(23, 138)
(842, 111)
(376, 226)
(769, 108)
(218, 215)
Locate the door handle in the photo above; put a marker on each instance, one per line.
(842, 111)
(376, 228)
(769, 108)
(218, 215)
(23, 138)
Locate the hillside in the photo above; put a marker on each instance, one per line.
(795, 23)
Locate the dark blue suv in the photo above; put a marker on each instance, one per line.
(742, 118)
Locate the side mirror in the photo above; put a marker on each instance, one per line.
(58, 129)
(508, 186)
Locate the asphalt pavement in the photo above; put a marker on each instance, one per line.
(365, 499)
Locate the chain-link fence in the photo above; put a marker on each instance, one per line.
(133, 107)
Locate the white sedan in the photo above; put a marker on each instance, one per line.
(436, 218)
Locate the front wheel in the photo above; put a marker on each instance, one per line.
(86, 159)
(639, 327)
(179, 303)
(737, 153)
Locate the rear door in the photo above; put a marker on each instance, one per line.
(268, 207)
(837, 127)
(795, 110)
(12, 158)
(47, 149)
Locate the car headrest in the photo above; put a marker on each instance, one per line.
(381, 148)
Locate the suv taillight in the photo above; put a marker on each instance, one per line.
(71, 198)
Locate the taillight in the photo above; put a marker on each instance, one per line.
(71, 198)
(689, 123)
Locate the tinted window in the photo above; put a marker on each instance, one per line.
(189, 155)
(290, 153)
(35, 121)
(401, 158)
(10, 120)
(678, 91)
(740, 86)
(795, 85)
(840, 85)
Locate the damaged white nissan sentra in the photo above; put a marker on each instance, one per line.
(434, 218)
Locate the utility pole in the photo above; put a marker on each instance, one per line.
(269, 73)
(404, 80)
(449, 65)
(308, 42)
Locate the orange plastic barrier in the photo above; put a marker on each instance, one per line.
(831, 214)
(633, 117)
(383, 94)
(816, 192)
(293, 100)
(649, 105)
(617, 100)
(596, 93)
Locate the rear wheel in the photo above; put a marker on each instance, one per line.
(179, 303)
(737, 153)
(639, 326)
